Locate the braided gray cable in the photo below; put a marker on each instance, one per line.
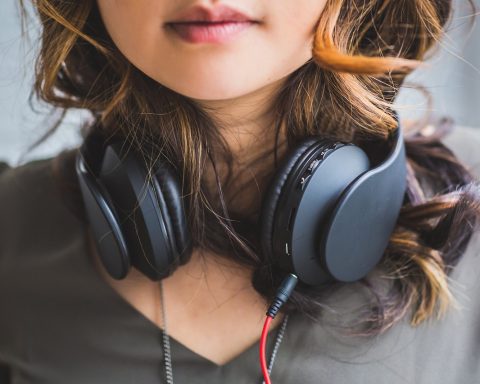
(166, 341)
(278, 341)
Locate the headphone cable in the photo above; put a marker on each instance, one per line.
(281, 297)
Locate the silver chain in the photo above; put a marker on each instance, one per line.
(167, 350)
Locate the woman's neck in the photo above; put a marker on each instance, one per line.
(246, 121)
(247, 124)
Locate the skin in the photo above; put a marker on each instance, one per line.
(235, 81)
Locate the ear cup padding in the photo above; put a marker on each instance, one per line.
(274, 191)
(168, 189)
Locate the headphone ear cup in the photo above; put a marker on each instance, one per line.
(143, 213)
(300, 200)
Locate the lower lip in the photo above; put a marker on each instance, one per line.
(220, 32)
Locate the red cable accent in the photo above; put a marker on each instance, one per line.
(263, 343)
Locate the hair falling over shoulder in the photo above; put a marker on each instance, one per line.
(362, 52)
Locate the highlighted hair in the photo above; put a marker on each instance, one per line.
(362, 51)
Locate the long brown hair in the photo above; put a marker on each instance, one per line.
(362, 51)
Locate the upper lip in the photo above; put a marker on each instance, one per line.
(218, 13)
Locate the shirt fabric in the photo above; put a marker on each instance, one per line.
(61, 323)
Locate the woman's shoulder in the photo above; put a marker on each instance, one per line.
(23, 186)
(32, 207)
(18, 179)
(24, 190)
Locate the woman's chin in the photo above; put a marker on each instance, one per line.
(209, 91)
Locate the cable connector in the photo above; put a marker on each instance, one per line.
(282, 295)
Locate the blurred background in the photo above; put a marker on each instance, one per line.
(453, 79)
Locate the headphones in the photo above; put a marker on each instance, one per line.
(326, 215)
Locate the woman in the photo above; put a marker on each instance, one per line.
(220, 93)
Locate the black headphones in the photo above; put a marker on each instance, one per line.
(327, 215)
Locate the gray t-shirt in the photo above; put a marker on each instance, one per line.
(61, 323)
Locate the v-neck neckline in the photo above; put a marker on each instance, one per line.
(177, 346)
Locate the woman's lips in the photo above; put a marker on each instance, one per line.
(210, 32)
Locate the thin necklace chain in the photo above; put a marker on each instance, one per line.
(167, 350)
